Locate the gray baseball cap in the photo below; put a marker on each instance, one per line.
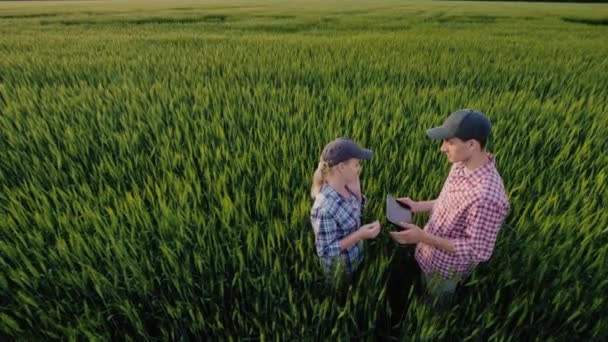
(465, 124)
(343, 149)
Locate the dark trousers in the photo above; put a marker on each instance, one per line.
(404, 275)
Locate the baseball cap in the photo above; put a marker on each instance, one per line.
(465, 124)
(343, 149)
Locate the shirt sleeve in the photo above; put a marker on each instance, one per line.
(326, 235)
(483, 223)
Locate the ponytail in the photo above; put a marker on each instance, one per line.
(318, 178)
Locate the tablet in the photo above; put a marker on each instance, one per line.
(397, 212)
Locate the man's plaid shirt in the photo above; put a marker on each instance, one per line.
(469, 211)
(333, 218)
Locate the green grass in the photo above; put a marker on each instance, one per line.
(156, 159)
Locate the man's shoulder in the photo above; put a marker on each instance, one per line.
(492, 188)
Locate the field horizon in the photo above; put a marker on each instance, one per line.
(156, 162)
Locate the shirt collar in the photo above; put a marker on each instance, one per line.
(478, 172)
(330, 192)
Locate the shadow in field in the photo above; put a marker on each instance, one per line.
(212, 18)
(473, 19)
(182, 8)
(277, 17)
(215, 18)
(588, 21)
(404, 274)
(29, 16)
(327, 23)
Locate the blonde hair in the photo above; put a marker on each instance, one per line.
(319, 178)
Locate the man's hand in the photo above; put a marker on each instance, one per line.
(411, 234)
(369, 231)
(417, 207)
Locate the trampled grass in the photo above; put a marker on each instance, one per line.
(156, 158)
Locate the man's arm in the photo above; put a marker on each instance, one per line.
(483, 224)
(413, 234)
(438, 242)
(484, 221)
(418, 206)
(427, 205)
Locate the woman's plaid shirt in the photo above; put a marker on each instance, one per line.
(333, 218)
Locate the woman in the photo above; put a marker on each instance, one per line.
(336, 212)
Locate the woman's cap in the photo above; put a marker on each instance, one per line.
(343, 149)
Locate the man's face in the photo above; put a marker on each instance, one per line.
(457, 150)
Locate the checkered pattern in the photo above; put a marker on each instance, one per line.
(469, 211)
(333, 218)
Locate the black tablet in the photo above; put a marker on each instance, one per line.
(397, 212)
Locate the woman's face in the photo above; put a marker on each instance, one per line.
(350, 170)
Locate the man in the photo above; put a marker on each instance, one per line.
(467, 215)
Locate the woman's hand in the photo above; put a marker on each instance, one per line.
(370, 230)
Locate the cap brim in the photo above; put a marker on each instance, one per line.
(365, 154)
(439, 133)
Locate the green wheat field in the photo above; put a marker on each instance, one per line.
(156, 161)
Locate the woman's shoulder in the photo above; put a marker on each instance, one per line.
(324, 205)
